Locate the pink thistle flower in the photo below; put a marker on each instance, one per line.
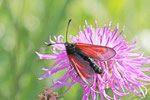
(122, 74)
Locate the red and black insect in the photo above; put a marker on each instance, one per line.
(83, 57)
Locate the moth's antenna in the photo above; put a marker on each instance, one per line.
(67, 29)
(49, 44)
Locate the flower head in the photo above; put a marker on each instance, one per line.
(122, 74)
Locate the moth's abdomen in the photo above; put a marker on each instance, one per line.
(96, 67)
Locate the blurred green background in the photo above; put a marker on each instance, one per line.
(26, 24)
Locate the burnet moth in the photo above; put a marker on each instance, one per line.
(83, 57)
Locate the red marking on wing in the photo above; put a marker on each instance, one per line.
(85, 72)
(101, 53)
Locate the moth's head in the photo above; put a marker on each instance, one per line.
(70, 45)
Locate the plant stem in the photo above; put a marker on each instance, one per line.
(97, 95)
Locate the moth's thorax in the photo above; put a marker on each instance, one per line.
(71, 48)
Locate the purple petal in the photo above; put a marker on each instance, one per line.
(43, 56)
